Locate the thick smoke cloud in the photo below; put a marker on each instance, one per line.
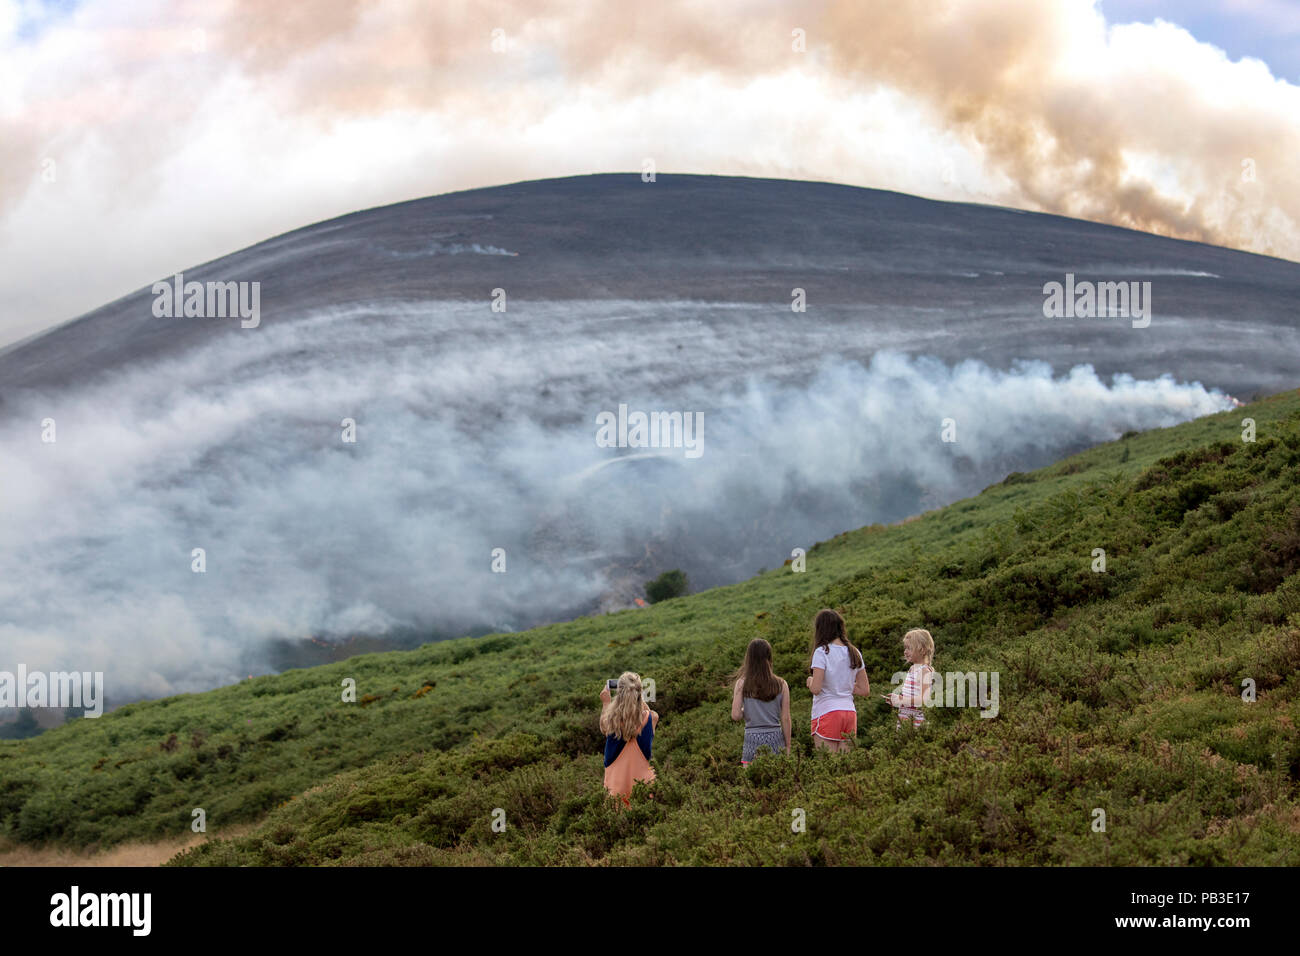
(471, 438)
(1138, 126)
(147, 112)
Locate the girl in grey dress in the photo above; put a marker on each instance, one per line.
(763, 700)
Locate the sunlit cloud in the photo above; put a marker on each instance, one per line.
(144, 138)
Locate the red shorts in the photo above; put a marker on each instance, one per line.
(836, 725)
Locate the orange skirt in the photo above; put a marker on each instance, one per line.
(629, 767)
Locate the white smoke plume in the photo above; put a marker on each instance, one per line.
(472, 445)
(123, 123)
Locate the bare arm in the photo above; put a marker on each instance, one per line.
(927, 678)
(861, 685)
(737, 700)
(785, 714)
(815, 681)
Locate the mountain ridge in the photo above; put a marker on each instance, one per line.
(842, 242)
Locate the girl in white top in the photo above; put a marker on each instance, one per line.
(836, 676)
(918, 651)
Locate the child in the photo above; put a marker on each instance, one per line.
(763, 699)
(837, 675)
(918, 651)
(629, 727)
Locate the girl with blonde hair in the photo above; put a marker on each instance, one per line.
(626, 719)
(918, 651)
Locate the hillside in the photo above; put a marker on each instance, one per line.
(383, 411)
(1119, 691)
(898, 261)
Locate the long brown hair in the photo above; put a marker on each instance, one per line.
(761, 682)
(827, 626)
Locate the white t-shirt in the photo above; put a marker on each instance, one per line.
(837, 682)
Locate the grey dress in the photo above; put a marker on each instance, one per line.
(762, 726)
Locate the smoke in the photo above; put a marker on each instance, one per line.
(467, 442)
(1137, 125)
(147, 113)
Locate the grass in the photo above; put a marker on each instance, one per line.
(1119, 692)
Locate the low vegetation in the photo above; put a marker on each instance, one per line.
(1120, 692)
(670, 584)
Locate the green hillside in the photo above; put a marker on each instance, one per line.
(1119, 691)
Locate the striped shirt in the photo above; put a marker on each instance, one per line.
(912, 690)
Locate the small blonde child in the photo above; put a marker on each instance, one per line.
(918, 651)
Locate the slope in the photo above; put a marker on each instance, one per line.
(1119, 691)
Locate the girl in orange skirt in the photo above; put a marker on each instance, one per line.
(629, 727)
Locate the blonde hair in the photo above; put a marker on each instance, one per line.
(919, 639)
(623, 717)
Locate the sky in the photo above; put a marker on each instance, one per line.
(1267, 30)
(141, 138)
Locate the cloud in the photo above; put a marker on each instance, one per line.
(471, 438)
(180, 131)
(1136, 125)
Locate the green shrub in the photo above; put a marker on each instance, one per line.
(1119, 690)
(670, 584)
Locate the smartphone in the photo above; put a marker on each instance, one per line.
(612, 685)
